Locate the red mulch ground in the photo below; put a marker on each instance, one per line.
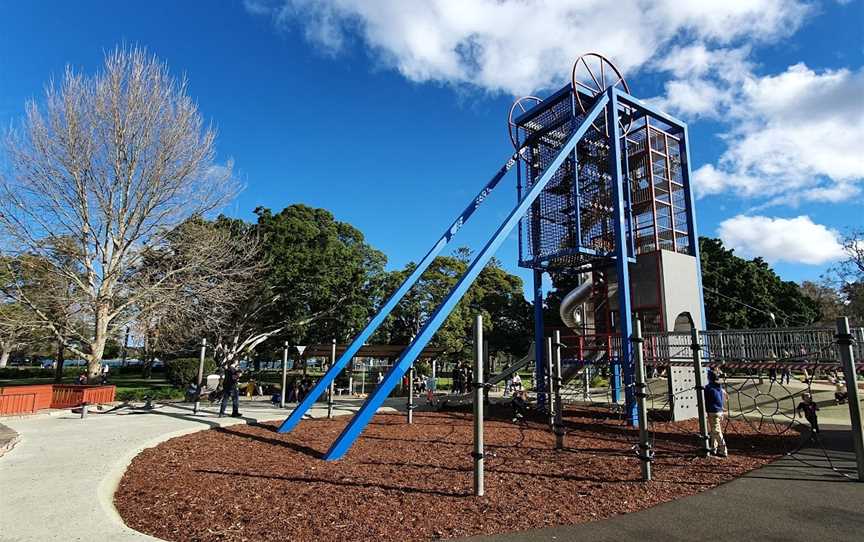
(402, 482)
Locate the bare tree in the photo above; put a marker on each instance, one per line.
(113, 163)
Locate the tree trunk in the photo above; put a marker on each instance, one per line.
(58, 370)
(97, 346)
(4, 357)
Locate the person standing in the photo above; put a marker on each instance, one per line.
(103, 376)
(230, 387)
(715, 399)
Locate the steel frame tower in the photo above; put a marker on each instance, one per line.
(610, 107)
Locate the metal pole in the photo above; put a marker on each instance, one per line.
(539, 366)
(645, 454)
(700, 388)
(125, 347)
(284, 375)
(559, 426)
(844, 341)
(478, 406)
(549, 379)
(411, 395)
(200, 376)
(330, 389)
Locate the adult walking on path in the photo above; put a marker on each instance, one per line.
(229, 387)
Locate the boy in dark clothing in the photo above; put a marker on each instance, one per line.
(520, 406)
(714, 403)
(809, 407)
(229, 387)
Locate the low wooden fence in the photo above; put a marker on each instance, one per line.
(29, 399)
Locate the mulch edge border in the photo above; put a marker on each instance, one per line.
(110, 483)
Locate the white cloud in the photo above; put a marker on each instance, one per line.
(519, 46)
(793, 240)
(792, 137)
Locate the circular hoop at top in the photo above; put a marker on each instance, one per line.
(594, 73)
(511, 125)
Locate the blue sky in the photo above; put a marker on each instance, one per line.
(393, 114)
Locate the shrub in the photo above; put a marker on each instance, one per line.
(13, 373)
(183, 371)
(140, 394)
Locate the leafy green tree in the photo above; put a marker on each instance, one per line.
(741, 294)
(322, 271)
(496, 294)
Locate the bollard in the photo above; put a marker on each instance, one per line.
(478, 407)
(284, 375)
(332, 382)
(645, 453)
(83, 410)
(411, 395)
(200, 376)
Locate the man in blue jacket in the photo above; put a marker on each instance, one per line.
(715, 399)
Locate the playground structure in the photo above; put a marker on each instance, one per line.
(580, 210)
(604, 199)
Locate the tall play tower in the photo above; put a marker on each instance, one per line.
(604, 195)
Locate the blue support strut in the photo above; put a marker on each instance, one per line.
(384, 311)
(394, 375)
(622, 263)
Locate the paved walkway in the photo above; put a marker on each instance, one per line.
(785, 501)
(58, 484)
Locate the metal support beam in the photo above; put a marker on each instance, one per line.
(645, 453)
(844, 341)
(539, 354)
(549, 377)
(397, 296)
(696, 348)
(376, 399)
(478, 406)
(556, 390)
(621, 253)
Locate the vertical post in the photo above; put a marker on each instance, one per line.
(645, 454)
(411, 395)
(844, 341)
(478, 406)
(330, 389)
(125, 347)
(621, 253)
(539, 365)
(284, 375)
(700, 388)
(200, 376)
(556, 389)
(551, 402)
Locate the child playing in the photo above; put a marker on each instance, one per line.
(809, 407)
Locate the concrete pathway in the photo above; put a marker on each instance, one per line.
(58, 482)
(786, 501)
